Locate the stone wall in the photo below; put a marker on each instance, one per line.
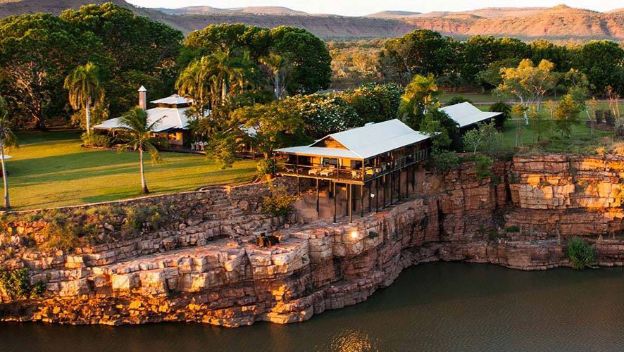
(196, 273)
(567, 195)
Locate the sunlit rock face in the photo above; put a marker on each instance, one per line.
(519, 217)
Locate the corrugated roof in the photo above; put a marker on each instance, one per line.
(365, 142)
(320, 151)
(173, 100)
(466, 114)
(168, 119)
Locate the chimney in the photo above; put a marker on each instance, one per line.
(143, 98)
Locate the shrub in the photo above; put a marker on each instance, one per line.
(266, 167)
(512, 229)
(16, 284)
(144, 218)
(580, 253)
(499, 120)
(59, 234)
(95, 140)
(373, 234)
(444, 161)
(279, 203)
(483, 166)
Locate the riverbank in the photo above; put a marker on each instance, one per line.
(204, 268)
(430, 307)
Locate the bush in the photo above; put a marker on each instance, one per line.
(60, 234)
(148, 218)
(580, 253)
(279, 203)
(483, 166)
(499, 120)
(266, 167)
(95, 140)
(444, 161)
(16, 284)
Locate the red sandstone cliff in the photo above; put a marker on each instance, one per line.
(207, 270)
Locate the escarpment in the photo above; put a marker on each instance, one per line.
(201, 263)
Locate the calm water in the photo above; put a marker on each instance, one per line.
(434, 307)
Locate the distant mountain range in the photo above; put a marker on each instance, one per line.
(560, 22)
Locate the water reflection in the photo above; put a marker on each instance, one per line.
(436, 307)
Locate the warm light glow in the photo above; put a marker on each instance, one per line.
(372, 195)
(355, 235)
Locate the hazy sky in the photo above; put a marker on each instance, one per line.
(363, 7)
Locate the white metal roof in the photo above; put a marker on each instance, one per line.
(173, 100)
(466, 114)
(364, 142)
(168, 119)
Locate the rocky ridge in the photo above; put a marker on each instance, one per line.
(520, 217)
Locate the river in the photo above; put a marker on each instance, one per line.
(433, 307)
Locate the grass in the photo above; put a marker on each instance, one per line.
(582, 139)
(51, 169)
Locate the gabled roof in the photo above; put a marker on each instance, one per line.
(168, 119)
(173, 100)
(364, 142)
(466, 114)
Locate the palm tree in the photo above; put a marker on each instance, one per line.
(278, 66)
(194, 83)
(139, 133)
(7, 139)
(83, 84)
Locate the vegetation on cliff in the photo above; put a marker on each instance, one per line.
(581, 254)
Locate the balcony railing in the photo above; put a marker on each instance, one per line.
(352, 174)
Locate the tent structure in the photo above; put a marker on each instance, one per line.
(468, 115)
(378, 158)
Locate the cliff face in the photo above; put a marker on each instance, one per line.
(518, 218)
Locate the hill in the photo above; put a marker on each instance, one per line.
(560, 22)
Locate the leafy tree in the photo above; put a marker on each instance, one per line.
(307, 56)
(85, 90)
(138, 131)
(7, 139)
(135, 44)
(274, 125)
(482, 53)
(375, 102)
(538, 122)
(420, 96)
(527, 82)
(603, 63)
(194, 82)
(421, 52)
(279, 68)
(444, 132)
(323, 114)
(567, 114)
(505, 115)
(481, 139)
(559, 55)
(36, 54)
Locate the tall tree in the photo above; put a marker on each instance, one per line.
(143, 51)
(567, 114)
(279, 67)
(603, 63)
(194, 83)
(138, 131)
(529, 83)
(85, 90)
(307, 56)
(420, 96)
(7, 139)
(422, 52)
(36, 54)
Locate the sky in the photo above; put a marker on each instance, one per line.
(364, 7)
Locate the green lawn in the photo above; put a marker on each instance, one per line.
(51, 169)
